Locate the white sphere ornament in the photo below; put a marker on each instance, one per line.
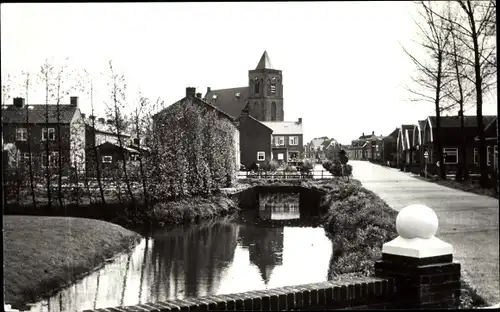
(417, 221)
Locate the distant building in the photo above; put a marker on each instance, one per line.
(287, 140)
(317, 148)
(31, 128)
(365, 147)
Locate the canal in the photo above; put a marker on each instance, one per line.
(267, 247)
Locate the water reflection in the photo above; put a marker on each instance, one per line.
(217, 257)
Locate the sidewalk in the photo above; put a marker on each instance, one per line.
(468, 221)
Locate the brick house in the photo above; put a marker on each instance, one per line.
(21, 121)
(317, 148)
(452, 141)
(255, 140)
(404, 146)
(196, 98)
(418, 151)
(490, 133)
(365, 147)
(287, 140)
(388, 150)
(100, 132)
(263, 99)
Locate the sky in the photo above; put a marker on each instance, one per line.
(344, 70)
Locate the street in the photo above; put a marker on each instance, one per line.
(467, 221)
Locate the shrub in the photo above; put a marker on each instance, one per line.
(290, 168)
(307, 166)
(347, 170)
(358, 222)
(327, 165)
(271, 165)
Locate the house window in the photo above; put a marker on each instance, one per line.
(134, 157)
(293, 140)
(476, 156)
(280, 156)
(450, 155)
(293, 155)
(21, 134)
(49, 133)
(107, 159)
(261, 156)
(23, 158)
(279, 140)
(53, 159)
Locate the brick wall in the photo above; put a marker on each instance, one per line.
(356, 293)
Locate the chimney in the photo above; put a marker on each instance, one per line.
(109, 121)
(198, 95)
(300, 120)
(92, 117)
(190, 92)
(73, 101)
(363, 134)
(373, 132)
(208, 89)
(19, 102)
(83, 115)
(101, 120)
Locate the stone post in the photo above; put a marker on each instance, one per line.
(421, 264)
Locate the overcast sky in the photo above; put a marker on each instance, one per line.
(344, 71)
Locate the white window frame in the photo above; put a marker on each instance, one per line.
(23, 157)
(21, 134)
(53, 159)
(293, 140)
(46, 133)
(107, 161)
(447, 152)
(279, 140)
(261, 156)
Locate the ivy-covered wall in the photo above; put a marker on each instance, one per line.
(192, 151)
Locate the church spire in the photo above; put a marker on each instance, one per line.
(265, 62)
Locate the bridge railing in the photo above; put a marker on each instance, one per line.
(280, 174)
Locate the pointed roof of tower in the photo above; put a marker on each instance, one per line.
(265, 62)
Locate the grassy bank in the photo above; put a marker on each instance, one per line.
(471, 186)
(43, 254)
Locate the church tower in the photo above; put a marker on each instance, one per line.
(265, 96)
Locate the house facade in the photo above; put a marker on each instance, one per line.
(490, 133)
(263, 101)
(255, 140)
(365, 147)
(287, 141)
(452, 140)
(317, 148)
(32, 131)
(388, 148)
(405, 155)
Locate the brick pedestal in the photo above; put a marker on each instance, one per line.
(420, 263)
(431, 282)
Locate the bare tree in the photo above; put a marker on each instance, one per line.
(478, 34)
(46, 75)
(27, 85)
(118, 86)
(87, 80)
(459, 91)
(432, 75)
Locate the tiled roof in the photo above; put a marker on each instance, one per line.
(202, 102)
(231, 101)
(37, 113)
(265, 62)
(454, 121)
(318, 142)
(284, 127)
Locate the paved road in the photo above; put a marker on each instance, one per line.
(467, 221)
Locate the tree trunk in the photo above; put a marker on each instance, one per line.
(437, 135)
